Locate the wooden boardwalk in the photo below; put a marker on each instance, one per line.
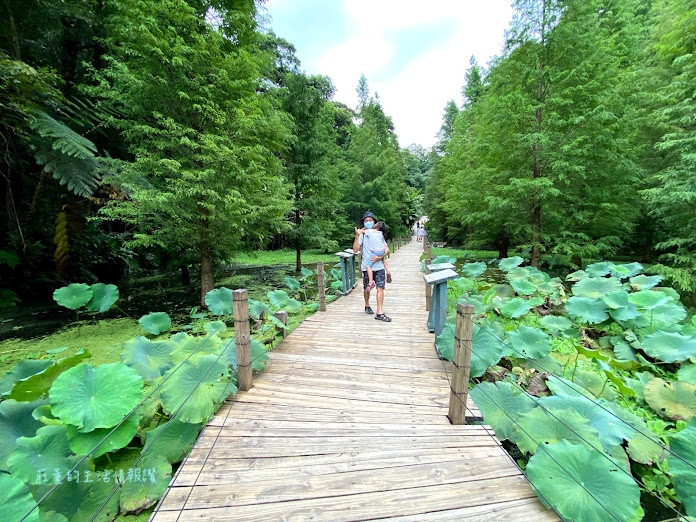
(349, 422)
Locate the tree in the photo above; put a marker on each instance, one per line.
(202, 138)
(363, 92)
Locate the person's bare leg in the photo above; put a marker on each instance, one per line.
(380, 299)
(370, 277)
(366, 295)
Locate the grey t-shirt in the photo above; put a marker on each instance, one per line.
(368, 250)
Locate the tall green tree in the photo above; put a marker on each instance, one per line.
(202, 138)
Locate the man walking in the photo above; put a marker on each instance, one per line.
(378, 271)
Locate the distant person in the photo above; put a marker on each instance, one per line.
(421, 232)
(378, 270)
(374, 238)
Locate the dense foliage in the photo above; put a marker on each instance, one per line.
(578, 141)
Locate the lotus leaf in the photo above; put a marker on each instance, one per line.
(256, 307)
(312, 307)
(473, 269)
(281, 300)
(672, 400)
(138, 495)
(596, 287)
(475, 301)
(259, 355)
(48, 450)
(336, 273)
(193, 388)
(279, 324)
(561, 386)
(683, 444)
(632, 268)
(509, 263)
(595, 383)
(73, 296)
(306, 272)
(187, 345)
(21, 371)
(624, 352)
(587, 310)
(549, 288)
(16, 500)
(337, 285)
(91, 443)
(644, 447)
(545, 364)
(643, 282)
(463, 284)
(501, 404)
(625, 313)
(156, 322)
(523, 287)
(16, 420)
(45, 416)
(669, 347)
(517, 307)
(37, 386)
(583, 485)
(173, 440)
(103, 297)
(665, 315)
(540, 427)
(444, 343)
(600, 269)
(616, 380)
(443, 259)
(97, 397)
(292, 284)
(555, 324)
(220, 301)
(215, 327)
(530, 342)
(578, 275)
(638, 385)
(687, 373)
(648, 299)
(488, 297)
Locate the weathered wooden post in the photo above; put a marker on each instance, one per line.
(320, 284)
(282, 316)
(459, 392)
(242, 337)
(437, 316)
(428, 288)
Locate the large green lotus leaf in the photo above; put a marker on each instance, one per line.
(16, 500)
(687, 373)
(97, 397)
(444, 343)
(523, 287)
(617, 299)
(45, 416)
(336, 274)
(149, 359)
(539, 427)
(278, 298)
(173, 440)
(587, 310)
(643, 282)
(549, 288)
(21, 371)
(215, 327)
(256, 307)
(624, 352)
(292, 305)
(683, 444)
(596, 287)
(626, 313)
(530, 273)
(583, 485)
(530, 342)
(16, 420)
(259, 355)
(555, 324)
(633, 269)
(665, 315)
(138, 495)
(638, 385)
(561, 386)
(644, 447)
(37, 386)
(220, 301)
(156, 322)
(48, 450)
(194, 388)
(516, 307)
(103, 297)
(486, 351)
(672, 400)
(501, 405)
(600, 269)
(186, 345)
(91, 443)
(292, 284)
(669, 347)
(595, 383)
(509, 263)
(636, 323)
(648, 299)
(73, 296)
(80, 501)
(476, 301)
(578, 275)
(463, 284)
(306, 272)
(473, 269)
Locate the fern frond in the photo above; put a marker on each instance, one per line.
(63, 138)
(81, 175)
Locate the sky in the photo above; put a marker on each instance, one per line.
(414, 54)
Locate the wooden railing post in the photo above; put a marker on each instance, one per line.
(459, 391)
(242, 338)
(320, 284)
(282, 316)
(428, 288)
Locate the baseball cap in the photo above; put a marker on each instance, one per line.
(368, 214)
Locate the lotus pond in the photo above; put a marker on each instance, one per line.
(590, 381)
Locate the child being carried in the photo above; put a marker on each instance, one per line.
(378, 246)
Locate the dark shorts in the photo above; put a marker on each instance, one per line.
(379, 276)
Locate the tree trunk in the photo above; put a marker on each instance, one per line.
(298, 249)
(503, 245)
(185, 276)
(535, 259)
(207, 282)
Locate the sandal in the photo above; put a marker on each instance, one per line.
(389, 279)
(371, 286)
(369, 310)
(382, 317)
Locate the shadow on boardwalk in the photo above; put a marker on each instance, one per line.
(349, 422)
